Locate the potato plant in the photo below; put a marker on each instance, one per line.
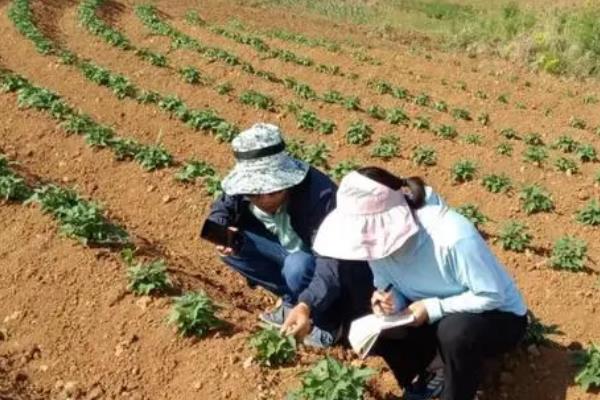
(273, 348)
(330, 379)
(484, 119)
(333, 96)
(509, 133)
(314, 154)
(12, 187)
(588, 362)
(257, 100)
(78, 218)
(400, 93)
(343, 168)
(535, 155)
(224, 88)
(193, 18)
(472, 213)
(359, 133)
(89, 19)
(586, 153)
(308, 120)
(496, 183)
(422, 100)
(577, 123)
(536, 199)
(459, 113)
(396, 116)
(154, 58)
(351, 103)
(22, 17)
(194, 314)
(472, 138)
(463, 171)
(566, 144)
(514, 236)
(193, 169)
(380, 86)
(153, 157)
(150, 278)
(566, 165)
(446, 132)
(190, 75)
(387, 147)
(533, 139)
(504, 149)
(422, 123)
(441, 106)
(590, 214)
(569, 253)
(376, 112)
(424, 155)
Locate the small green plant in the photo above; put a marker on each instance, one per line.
(257, 99)
(480, 94)
(423, 155)
(422, 100)
(533, 139)
(590, 214)
(566, 165)
(351, 103)
(376, 112)
(496, 183)
(537, 331)
(440, 106)
(509, 133)
(586, 153)
(504, 149)
(153, 157)
(569, 253)
(380, 86)
(588, 361)
(156, 59)
(304, 91)
(359, 133)
(472, 138)
(333, 96)
(326, 127)
(566, 144)
(145, 279)
(192, 18)
(190, 75)
(590, 99)
(387, 147)
(400, 93)
(314, 154)
(194, 169)
(514, 236)
(463, 171)
(577, 123)
(272, 347)
(148, 97)
(535, 155)
(224, 88)
(535, 199)
(194, 314)
(396, 116)
(422, 123)
(329, 379)
(484, 119)
(343, 168)
(472, 213)
(12, 187)
(503, 98)
(308, 120)
(459, 113)
(447, 132)
(125, 149)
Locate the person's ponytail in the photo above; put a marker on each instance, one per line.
(412, 187)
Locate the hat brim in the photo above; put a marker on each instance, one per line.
(276, 173)
(364, 237)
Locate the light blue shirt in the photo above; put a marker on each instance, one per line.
(449, 266)
(280, 225)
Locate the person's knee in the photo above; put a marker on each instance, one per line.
(297, 269)
(457, 337)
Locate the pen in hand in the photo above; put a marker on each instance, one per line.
(377, 302)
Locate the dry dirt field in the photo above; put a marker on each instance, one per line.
(69, 328)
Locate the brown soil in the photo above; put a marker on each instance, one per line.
(70, 326)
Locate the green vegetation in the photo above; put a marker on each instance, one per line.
(514, 236)
(446, 132)
(190, 75)
(422, 123)
(22, 17)
(459, 113)
(273, 348)
(376, 112)
(590, 214)
(78, 218)
(536, 199)
(387, 147)
(359, 133)
(509, 133)
(87, 18)
(472, 213)
(569, 253)
(472, 138)
(330, 379)
(257, 100)
(577, 123)
(586, 153)
(12, 187)
(533, 139)
(566, 144)
(151, 278)
(194, 314)
(463, 171)
(153, 157)
(342, 168)
(566, 165)
(535, 155)
(193, 169)
(588, 362)
(314, 154)
(496, 183)
(504, 149)
(424, 155)
(396, 116)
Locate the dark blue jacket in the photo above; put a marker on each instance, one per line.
(337, 287)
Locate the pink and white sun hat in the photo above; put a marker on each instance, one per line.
(370, 221)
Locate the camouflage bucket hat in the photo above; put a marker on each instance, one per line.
(262, 164)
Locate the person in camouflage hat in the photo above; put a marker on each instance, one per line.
(277, 203)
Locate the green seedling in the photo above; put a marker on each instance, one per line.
(535, 199)
(473, 138)
(509, 133)
(329, 379)
(380, 86)
(327, 127)
(566, 165)
(503, 98)
(156, 59)
(590, 214)
(533, 139)
(359, 133)
(257, 99)
(463, 171)
(153, 157)
(459, 113)
(569, 253)
(588, 362)
(400, 93)
(193, 18)
(343, 168)
(514, 236)
(193, 169)
(423, 155)
(151, 278)
(566, 144)
(351, 103)
(272, 347)
(333, 96)
(308, 120)
(396, 116)
(194, 314)
(577, 123)
(125, 149)
(535, 155)
(586, 153)
(190, 75)
(314, 154)
(441, 106)
(387, 147)
(484, 119)
(504, 149)
(376, 112)
(224, 88)
(422, 100)
(496, 183)
(422, 123)
(148, 97)
(446, 132)
(12, 187)
(472, 213)
(98, 136)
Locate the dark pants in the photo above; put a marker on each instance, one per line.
(463, 340)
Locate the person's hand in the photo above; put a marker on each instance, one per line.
(297, 322)
(383, 303)
(420, 312)
(225, 251)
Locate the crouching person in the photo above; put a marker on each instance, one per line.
(277, 203)
(464, 303)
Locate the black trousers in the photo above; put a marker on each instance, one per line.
(463, 340)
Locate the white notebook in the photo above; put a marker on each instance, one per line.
(364, 331)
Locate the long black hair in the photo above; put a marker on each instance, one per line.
(414, 184)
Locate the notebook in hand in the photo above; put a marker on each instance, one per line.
(364, 331)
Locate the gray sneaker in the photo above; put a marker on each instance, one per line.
(277, 316)
(321, 338)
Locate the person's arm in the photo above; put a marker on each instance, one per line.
(224, 210)
(477, 269)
